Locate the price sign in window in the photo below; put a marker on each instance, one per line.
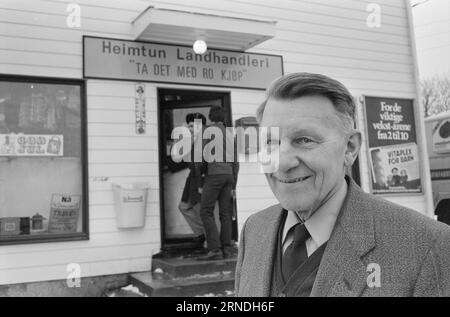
(42, 160)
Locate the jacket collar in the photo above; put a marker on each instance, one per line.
(343, 271)
(356, 220)
(266, 252)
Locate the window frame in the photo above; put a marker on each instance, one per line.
(84, 234)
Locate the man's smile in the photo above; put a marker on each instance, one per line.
(290, 180)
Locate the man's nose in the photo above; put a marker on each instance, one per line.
(288, 157)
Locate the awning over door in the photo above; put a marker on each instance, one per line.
(220, 32)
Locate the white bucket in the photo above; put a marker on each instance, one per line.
(130, 201)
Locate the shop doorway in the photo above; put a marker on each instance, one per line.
(173, 107)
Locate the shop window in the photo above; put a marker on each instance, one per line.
(42, 160)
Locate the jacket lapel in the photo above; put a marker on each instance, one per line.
(342, 271)
(265, 253)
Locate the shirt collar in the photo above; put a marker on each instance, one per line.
(320, 225)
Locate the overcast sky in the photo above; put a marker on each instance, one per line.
(432, 28)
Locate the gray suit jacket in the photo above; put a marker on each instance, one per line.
(410, 252)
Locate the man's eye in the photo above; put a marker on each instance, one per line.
(303, 140)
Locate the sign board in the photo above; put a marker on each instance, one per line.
(441, 137)
(31, 145)
(64, 213)
(140, 61)
(392, 144)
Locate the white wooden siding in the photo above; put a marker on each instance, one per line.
(323, 36)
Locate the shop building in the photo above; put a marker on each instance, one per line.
(90, 91)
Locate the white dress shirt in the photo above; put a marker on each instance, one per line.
(320, 225)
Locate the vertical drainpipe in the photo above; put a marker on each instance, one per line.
(425, 166)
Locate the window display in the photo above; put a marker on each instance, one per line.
(41, 160)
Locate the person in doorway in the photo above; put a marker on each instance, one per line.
(220, 178)
(190, 200)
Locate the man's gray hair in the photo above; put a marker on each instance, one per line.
(296, 85)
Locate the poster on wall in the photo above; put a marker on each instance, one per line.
(31, 145)
(393, 150)
(139, 101)
(64, 213)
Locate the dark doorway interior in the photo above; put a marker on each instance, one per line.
(173, 106)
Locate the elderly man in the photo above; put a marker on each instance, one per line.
(327, 237)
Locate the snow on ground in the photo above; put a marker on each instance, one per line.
(127, 291)
(133, 289)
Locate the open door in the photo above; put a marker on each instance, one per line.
(173, 107)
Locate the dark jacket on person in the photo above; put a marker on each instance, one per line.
(229, 164)
(194, 180)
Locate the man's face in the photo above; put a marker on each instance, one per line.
(312, 145)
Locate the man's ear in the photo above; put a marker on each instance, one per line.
(353, 146)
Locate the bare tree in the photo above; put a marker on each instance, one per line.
(436, 94)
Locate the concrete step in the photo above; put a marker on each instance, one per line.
(160, 285)
(184, 267)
